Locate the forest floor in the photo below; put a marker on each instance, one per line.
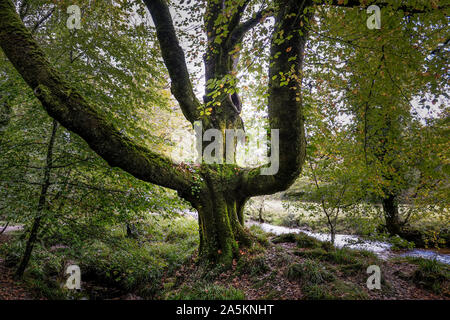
(9, 288)
(290, 271)
(290, 266)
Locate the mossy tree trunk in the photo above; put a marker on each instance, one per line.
(221, 233)
(391, 215)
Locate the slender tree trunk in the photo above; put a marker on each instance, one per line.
(260, 212)
(332, 229)
(131, 230)
(333, 234)
(391, 215)
(41, 205)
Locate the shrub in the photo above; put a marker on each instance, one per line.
(260, 234)
(253, 265)
(400, 243)
(432, 275)
(309, 272)
(286, 237)
(305, 241)
(122, 264)
(12, 252)
(207, 291)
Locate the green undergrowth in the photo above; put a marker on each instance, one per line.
(431, 275)
(302, 240)
(116, 262)
(319, 282)
(335, 290)
(261, 237)
(309, 272)
(206, 291)
(322, 274)
(159, 263)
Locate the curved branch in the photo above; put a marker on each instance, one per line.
(65, 104)
(238, 9)
(174, 59)
(285, 107)
(404, 7)
(44, 18)
(240, 31)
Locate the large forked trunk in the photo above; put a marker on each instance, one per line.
(224, 191)
(220, 194)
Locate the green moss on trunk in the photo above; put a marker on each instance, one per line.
(221, 227)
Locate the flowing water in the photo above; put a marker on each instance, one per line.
(381, 249)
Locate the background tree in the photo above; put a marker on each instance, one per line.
(381, 83)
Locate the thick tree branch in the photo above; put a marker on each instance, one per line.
(42, 20)
(240, 31)
(65, 104)
(238, 10)
(285, 107)
(174, 59)
(233, 11)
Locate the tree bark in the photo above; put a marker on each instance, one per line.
(221, 232)
(391, 215)
(260, 211)
(285, 101)
(219, 203)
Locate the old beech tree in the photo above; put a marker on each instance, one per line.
(217, 192)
